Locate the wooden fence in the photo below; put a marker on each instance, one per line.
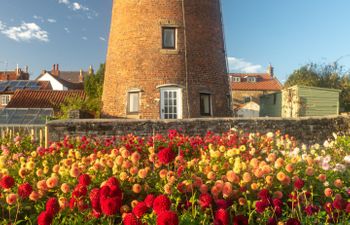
(38, 133)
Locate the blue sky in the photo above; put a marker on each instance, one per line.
(74, 33)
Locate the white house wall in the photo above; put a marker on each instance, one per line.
(55, 84)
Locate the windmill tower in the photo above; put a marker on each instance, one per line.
(166, 60)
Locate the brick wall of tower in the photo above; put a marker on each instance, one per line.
(135, 58)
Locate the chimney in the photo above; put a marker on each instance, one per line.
(91, 70)
(270, 70)
(55, 70)
(81, 76)
(17, 70)
(26, 69)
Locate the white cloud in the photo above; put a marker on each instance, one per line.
(241, 65)
(51, 20)
(25, 32)
(41, 19)
(102, 39)
(66, 2)
(76, 6)
(67, 30)
(84, 38)
(2, 26)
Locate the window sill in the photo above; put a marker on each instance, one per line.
(169, 51)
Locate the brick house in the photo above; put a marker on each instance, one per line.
(17, 74)
(65, 80)
(8, 88)
(247, 87)
(166, 60)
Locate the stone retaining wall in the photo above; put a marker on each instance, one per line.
(306, 130)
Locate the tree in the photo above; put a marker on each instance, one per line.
(326, 76)
(92, 104)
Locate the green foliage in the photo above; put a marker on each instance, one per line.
(326, 76)
(93, 86)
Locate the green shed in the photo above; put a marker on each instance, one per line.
(300, 101)
(271, 105)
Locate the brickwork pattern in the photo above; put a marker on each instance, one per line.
(135, 58)
(307, 130)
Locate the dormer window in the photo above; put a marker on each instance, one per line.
(251, 79)
(236, 79)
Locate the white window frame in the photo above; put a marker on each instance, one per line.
(128, 111)
(178, 91)
(5, 99)
(251, 79)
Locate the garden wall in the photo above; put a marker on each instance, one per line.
(307, 130)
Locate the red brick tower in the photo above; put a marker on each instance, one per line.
(166, 59)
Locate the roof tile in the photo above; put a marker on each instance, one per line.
(42, 98)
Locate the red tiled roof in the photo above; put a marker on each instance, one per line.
(264, 82)
(12, 75)
(42, 98)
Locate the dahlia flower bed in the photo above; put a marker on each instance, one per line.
(232, 179)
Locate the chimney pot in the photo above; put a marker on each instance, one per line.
(270, 70)
(27, 69)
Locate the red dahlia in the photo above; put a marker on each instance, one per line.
(221, 217)
(95, 199)
(271, 221)
(84, 179)
(24, 190)
(7, 182)
(166, 155)
(240, 220)
(52, 206)
(264, 194)
(112, 181)
(161, 203)
(149, 200)
(110, 206)
(140, 209)
(293, 221)
(167, 218)
(205, 200)
(130, 219)
(299, 183)
(260, 206)
(45, 218)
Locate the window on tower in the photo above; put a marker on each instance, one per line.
(168, 37)
(205, 104)
(133, 102)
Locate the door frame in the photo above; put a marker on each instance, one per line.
(178, 101)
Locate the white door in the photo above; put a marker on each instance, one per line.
(171, 103)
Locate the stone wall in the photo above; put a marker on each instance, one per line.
(307, 130)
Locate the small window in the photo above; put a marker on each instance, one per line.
(205, 104)
(247, 99)
(168, 37)
(5, 99)
(251, 79)
(274, 99)
(133, 102)
(236, 79)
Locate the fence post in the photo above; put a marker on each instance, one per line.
(41, 137)
(46, 137)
